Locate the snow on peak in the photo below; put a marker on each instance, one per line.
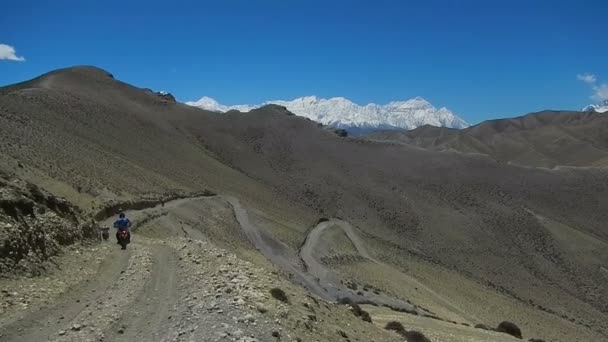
(600, 108)
(343, 113)
(208, 104)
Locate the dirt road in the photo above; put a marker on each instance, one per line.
(134, 295)
(316, 277)
(186, 289)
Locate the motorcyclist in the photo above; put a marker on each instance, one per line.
(122, 224)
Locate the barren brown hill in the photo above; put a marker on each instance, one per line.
(544, 139)
(463, 236)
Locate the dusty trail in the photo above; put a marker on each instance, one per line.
(329, 277)
(42, 323)
(317, 278)
(146, 318)
(132, 292)
(255, 237)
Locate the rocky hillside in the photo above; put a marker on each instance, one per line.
(34, 225)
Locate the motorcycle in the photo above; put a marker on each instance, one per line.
(123, 238)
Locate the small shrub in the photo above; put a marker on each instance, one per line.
(395, 326)
(345, 300)
(358, 312)
(509, 328)
(365, 316)
(415, 336)
(279, 295)
(352, 285)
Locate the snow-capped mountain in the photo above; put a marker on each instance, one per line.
(600, 108)
(343, 113)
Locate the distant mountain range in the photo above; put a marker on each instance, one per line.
(342, 113)
(600, 108)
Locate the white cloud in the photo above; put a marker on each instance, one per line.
(587, 78)
(8, 52)
(600, 91)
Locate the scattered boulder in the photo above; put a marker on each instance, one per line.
(261, 308)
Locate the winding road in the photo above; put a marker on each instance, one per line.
(317, 278)
(135, 292)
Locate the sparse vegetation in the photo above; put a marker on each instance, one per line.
(351, 285)
(365, 316)
(345, 301)
(509, 328)
(408, 311)
(410, 336)
(395, 326)
(279, 295)
(415, 336)
(356, 309)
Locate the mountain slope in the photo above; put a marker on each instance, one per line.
(539, 139)
(342, 113)
(463, 236)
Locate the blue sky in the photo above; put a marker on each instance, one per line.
(481, 59)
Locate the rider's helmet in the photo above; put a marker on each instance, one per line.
(122, 215)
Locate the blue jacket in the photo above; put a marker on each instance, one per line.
(122, 224)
